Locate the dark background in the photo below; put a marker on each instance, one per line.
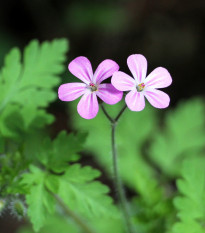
(169, 33)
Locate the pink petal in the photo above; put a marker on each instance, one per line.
(122, 81)
(105, 70)
(135, 100)
(158, 78)
(82, 69)
(88, 106)
(109, 94)
(137, 64)
(157, 98)
(71, 91)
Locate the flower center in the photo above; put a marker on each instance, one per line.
(140, 87)
(93, 87)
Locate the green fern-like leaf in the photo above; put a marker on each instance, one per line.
(182, 137)
(40, 201)
(76, 187)
(81, 193)
(64, 148)
(26, 84)
(55, 224)
(191, 204)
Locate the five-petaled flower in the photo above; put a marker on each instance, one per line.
(142, 86)
(91, 87)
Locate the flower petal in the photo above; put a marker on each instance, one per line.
(88, 106)
(157, 98)
(105, 70)
(82, 69)
(135, 101)
(158, 78)
(122, 81)
(137, 64)
(71, 91)
(109, 94)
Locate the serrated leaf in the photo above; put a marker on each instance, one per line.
(34, 177)
(13, 122)
(68, 142)
(191, 204)
(64, 148)
(27, 85)
(188, 227)
(36, 209)
(182, 137)
(67, 147)
(39, 200)
(55, 224)
(81, 193)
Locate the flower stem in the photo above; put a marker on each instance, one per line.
(84, 226)
(119, 185)
(107, 115)
(120, 113)
(117, 181)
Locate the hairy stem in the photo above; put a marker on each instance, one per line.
(83, 225)
(117, 181)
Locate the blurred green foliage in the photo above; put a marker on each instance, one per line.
(132, 132)
(190, 204)
(154, 152)
(182, 136)
(147, 145)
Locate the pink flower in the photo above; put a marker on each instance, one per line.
(142, 86)
(91, 86)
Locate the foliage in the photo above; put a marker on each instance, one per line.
(190, 204)
(132, 132)
(76, 188)
(66, 146)
(140, 163)
(89, 197)
(38, 168)
(183, 135)
(55, 224)
(26, 84)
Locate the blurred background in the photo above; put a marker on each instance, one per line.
(168, 33)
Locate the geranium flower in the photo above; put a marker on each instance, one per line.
(141, 86)
(92, 86)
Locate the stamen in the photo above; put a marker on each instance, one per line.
(93, 87)
(140, 87)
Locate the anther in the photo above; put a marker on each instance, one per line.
(93, 87)
(140, 87)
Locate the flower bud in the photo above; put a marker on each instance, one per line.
(18, 208)
(2, 205)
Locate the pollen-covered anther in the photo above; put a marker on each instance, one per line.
(93, 87)
(140, 87)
